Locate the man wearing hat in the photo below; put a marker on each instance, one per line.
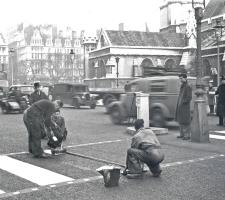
(37, 94)
(183, 109)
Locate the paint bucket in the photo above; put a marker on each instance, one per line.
(111, 175)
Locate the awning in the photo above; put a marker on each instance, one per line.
(184, 59)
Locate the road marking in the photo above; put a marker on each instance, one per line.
(30, 172)
(218, 137)
(1, 192)
(71, 146)
(95, 178)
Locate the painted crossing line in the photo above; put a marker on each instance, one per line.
(219, 135)
(30, 172)
(95, 178)
(2, 192)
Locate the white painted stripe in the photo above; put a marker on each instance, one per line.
(219, 137)
(2, 192)
(30, 172)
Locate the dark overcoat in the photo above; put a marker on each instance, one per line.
(36, 96)
(220, 111)
(183, 110)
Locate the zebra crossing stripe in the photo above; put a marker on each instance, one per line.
(219, 137)
(2, 192)
(31, 172)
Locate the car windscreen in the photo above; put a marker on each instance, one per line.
(28, 89)
(81, 88)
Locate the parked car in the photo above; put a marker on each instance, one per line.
(74, 94)
(163, 94)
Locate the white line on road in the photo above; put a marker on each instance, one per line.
(95, 178)
(1, 192)
(219, 137)
(72, 146)
(30, 172)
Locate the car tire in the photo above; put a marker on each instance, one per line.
(116, 115)
(157, 118)
(4, 110)
(76, 104)
(107, 102)
(92, 106)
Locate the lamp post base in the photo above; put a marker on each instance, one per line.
(199, 126)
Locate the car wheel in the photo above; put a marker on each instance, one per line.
(92, 106)
(107, 102)
(76, 104)
(116, 115)
(4, 110)
(157, 118)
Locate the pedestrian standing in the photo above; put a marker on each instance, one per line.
(211, 98)
(145, 148)
(38, 113)
(183, 109)
(220, 110)
(37, 94)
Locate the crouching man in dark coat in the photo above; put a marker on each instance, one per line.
(145, 148)
(38, 113)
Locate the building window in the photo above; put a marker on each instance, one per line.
(135, 70)
(109, 69)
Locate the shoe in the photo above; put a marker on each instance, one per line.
(179, 136)
(186, 138)
(134, 176)
(43, 155)
(157, 174)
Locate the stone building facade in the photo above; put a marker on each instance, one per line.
(42, 53)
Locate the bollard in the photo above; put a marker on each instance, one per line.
(111, 175)
(142, 103)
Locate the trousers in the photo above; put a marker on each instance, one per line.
(152, 157)
(34, 124)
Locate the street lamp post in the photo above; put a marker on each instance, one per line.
(72, 54)
(11, 51)
(117, 71)
(218, 33)
(200, 130)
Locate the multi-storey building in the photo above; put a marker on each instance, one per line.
(3, 54)
(42, 53)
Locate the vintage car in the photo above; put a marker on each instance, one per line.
(11, 104)
(163, 94)
(74, 94)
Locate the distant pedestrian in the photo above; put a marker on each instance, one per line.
(145, 148)
(37, 94)
(211, 98)
(220, 110)
(183, 110)
(38, 113)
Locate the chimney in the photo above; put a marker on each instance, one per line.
(121, 27)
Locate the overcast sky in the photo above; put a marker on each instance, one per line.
(82, 14)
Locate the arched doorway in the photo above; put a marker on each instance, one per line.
(170, 65)
(146, 66)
